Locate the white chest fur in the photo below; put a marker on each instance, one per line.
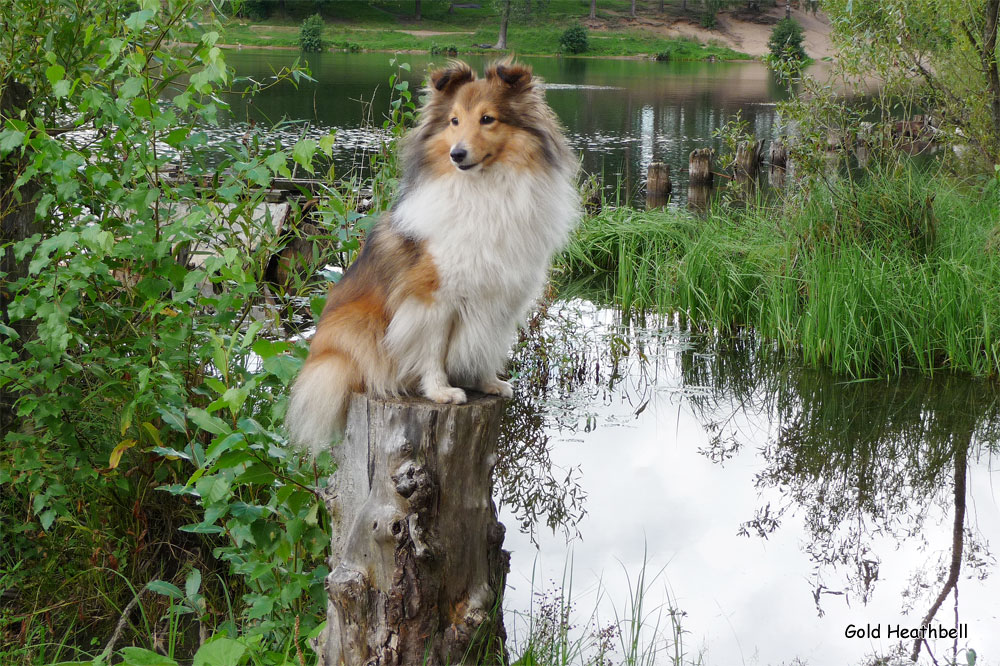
(491, 230)
(491, 235)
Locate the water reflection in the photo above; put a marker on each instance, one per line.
(876, 493)
(620, 114)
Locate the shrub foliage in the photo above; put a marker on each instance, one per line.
(311, 34)
(574, 40)
(786, 41)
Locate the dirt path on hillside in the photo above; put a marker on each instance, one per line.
(732, 31)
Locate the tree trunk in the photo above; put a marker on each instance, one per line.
(658, 185)
(788, 9)
(593, 9)
(17, 222)
(989, 60)
(417, 566)
(504, 20)
(416, 7)
(632, 12)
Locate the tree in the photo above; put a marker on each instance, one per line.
(632, 9)
(514, 10)
(416, 9)
(504, 22)
(593, 9)
(940, 54)
(786, 41)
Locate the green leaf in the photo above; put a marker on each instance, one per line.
(165, 588)
(283, 367)
(192, 583)
(55, 73)
(206, 421)
(135, 656)
(219, 652)
(46, 519)
(201, 528)
(10, 139)
(303, 153)
(258, 473)
(326, 143)
(136, 21)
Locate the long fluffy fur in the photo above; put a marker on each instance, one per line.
(434, 300)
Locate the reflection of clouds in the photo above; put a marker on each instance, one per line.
(651, 488)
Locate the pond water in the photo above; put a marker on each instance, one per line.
(770, 506)
(619, 114)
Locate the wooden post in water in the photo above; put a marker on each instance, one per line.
(700, 179)
(418, 570)
(700, 166)
(658, 185)
(777, 162)
(748, 156)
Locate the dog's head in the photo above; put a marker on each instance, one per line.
(471, 125)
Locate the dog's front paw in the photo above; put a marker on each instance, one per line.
(446, 395)
(497, 386)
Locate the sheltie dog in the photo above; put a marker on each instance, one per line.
(487, 196)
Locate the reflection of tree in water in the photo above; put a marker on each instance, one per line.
(572, 358)
(864, 460)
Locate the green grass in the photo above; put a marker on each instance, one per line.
(867, 279)
(381, 27)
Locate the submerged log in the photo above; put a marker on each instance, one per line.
(418, 571)
(658, 185)
(700, 167)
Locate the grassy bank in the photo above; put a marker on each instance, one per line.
(899, 272)
(390, 26)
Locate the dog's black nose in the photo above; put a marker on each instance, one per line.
(458, 155)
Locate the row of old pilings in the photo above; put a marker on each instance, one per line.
(747, 164)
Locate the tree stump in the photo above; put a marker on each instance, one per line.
(700, 167)
(658, 185)
(418, 571)
(748, 156)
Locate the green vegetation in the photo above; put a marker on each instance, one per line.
(535, 28)
(311, 34)
(786, 41)
(893, 271)
(574, 40)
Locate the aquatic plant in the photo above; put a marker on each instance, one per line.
(896, 271)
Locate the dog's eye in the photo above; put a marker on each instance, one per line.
(454, 121)
(486, 120)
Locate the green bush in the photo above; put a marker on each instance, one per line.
(786, 41)
(664, 56)
(574, 40)
(311, 34)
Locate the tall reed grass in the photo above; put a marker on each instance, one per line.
(900, 270)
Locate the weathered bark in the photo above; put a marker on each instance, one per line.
(504, 20)
(777, 163)
(748, 156)
(17, 222)
(658, 185)
(418, 570)
(700, 166)
(632, 10)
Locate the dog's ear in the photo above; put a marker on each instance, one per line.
(514, 77)
(447, 81)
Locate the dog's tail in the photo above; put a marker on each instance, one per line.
(318, 405)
